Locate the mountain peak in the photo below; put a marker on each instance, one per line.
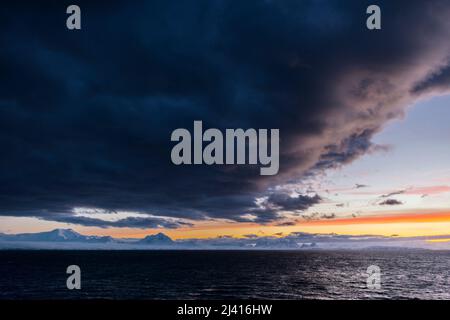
(65, 234)
(159, 238)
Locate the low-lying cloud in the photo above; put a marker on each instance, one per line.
(391, 202)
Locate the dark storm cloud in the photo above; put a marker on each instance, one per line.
(86, 116)
(438, 81)
(390, 202)
(272, 206)
(129, 222)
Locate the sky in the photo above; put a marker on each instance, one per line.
(86, 117)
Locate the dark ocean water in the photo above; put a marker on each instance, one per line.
(224, 274)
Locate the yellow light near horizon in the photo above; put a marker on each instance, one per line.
(439, 240)
(240, 230)
(434, 224)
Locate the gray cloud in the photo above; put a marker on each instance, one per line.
(283, 201)
(286, 224)
(390, 202)
(394, 193)
(328, 216)
(318, 216)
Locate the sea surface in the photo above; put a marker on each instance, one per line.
(409, 274)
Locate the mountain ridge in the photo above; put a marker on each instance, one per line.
(70, 239)
(55, 235)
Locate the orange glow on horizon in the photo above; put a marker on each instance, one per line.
(422, 223)
(404, 224)
(398, 218)
(439, 240)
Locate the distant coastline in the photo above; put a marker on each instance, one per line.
(68, 239)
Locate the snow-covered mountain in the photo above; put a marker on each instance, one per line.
(159, 239)
(57, 235)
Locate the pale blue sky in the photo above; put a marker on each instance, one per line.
(418, 157)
